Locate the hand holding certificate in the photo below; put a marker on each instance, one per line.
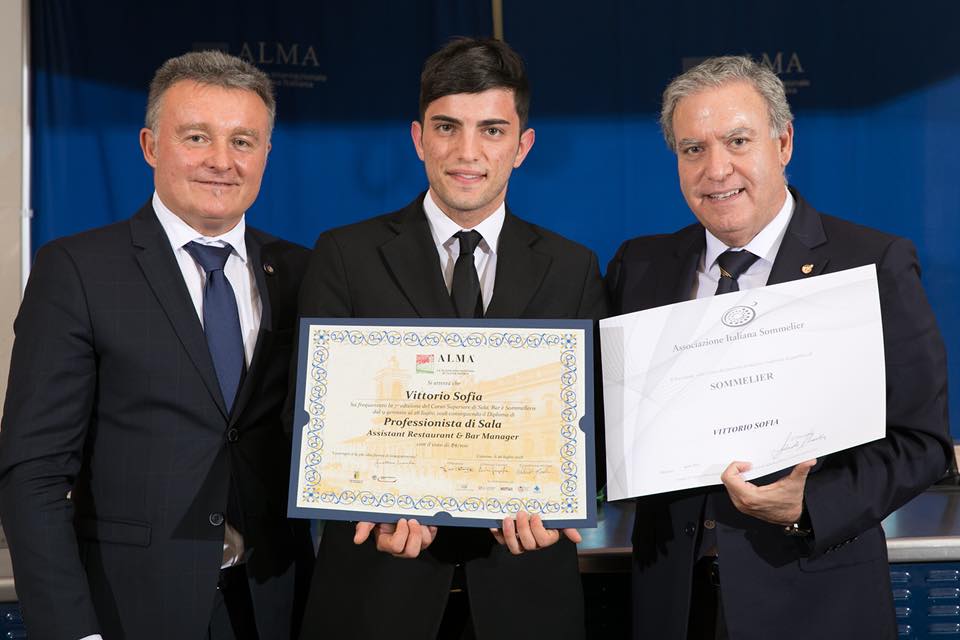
(456, 422)
(405, 539)
(774, 376)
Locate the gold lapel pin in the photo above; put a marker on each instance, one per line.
(807, 269)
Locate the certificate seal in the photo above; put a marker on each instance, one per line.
(738, 316)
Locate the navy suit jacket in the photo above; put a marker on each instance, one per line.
(117, 453)
(388, 267)
(837, 584)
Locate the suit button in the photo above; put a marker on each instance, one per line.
(690, 529)
(215, 519)
(233, 434)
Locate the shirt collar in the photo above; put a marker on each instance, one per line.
(765, 244)
(180, 233)
(442, 227)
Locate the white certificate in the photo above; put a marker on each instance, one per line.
(772, 376)
(456, 422)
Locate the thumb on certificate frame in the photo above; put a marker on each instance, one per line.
(573, 535)
(803, 468)
(733, 471)
(362, 532)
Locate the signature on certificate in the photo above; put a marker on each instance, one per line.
(797, 442)
(534, 468)
(456, 467)
(493, 468)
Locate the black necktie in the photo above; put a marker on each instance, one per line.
(221, 320)
(732, 265)
(465, 291)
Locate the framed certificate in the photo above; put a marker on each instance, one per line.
(451, 422)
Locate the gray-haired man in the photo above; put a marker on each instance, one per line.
(142, 461)
(799, 554)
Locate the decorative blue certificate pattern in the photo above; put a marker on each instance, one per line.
(564, 342)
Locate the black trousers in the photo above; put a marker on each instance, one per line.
(457, 623)
(232, 616)
(706, 608)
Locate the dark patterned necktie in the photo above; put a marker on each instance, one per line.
(465, 291)
(732, 265)
(221, 319)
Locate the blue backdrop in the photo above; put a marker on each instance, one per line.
(876, 97)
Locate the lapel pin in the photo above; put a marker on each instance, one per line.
(807, 269)
(270, 270)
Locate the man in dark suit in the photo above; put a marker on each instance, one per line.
(143, 462)
(798, 554)
(471, 134)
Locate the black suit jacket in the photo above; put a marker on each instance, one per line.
(838, 584)
(114, 400)
(388, 267)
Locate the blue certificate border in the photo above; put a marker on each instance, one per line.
(550, 512)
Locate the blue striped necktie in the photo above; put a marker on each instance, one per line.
(733, 264)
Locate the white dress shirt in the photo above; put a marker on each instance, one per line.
(764, 245)
(241, 278)
(448, 247)
(237, 270)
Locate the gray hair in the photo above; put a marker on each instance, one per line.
(213, 68)
(717, 72)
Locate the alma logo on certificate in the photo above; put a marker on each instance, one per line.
(424, 363)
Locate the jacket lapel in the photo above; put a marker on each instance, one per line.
(412, 258)
(803, 252)
(163, 274)
(675, 283)
(255, 260)
(520, 269)
(249, 383)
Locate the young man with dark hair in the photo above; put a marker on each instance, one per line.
(407, 580)
(471, 66)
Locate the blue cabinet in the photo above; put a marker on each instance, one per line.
(11, 622)
(927, 600)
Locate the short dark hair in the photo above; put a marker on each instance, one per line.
(474, 65)
(213, 68)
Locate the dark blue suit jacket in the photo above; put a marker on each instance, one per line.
(774, 586)
(113, 399)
